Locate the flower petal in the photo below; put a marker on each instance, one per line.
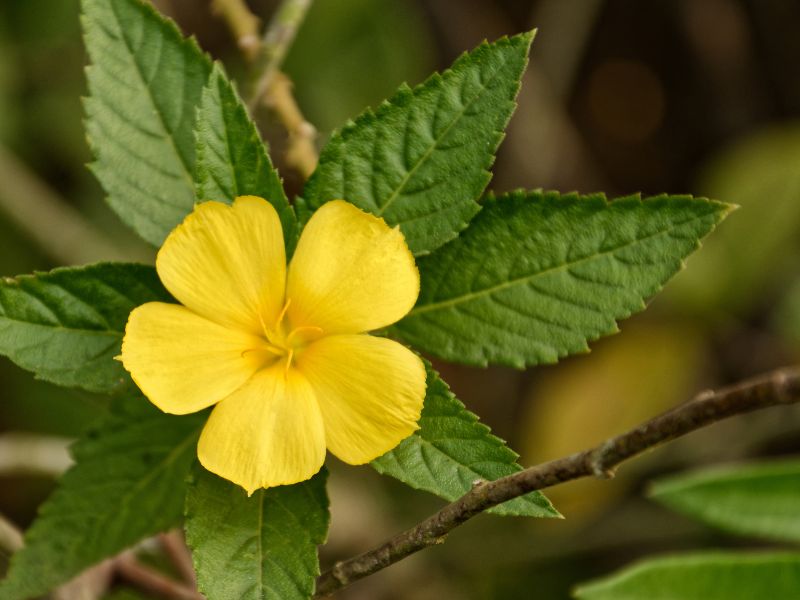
(370, 391)
(351, 272)
(227, 263)
(267, 433)
(183, 362)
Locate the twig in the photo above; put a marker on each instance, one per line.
(33, 454)
(776, 388)
(275, 45)
(10, 536)
(301, 153)
(58, 229)
(244, 25)
(152, 581)
(175, 548)
(92, 584)
(272, 88)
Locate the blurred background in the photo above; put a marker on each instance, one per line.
(679, 96)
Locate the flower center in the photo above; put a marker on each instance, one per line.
(283, 341)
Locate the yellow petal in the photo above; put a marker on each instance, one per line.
(370, 391)
(227, 263)
(350, 273)
(183, 362)
(267, 433)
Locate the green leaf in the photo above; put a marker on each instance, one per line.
(67, 325)
(712, 576)
(759, 499)
(451, 450)
(262, 547)
(128, 483)
(231, 158)
(145, 83)
(537, 275)
(758, 172)
(420, 161)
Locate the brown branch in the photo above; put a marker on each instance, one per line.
(776, 388)
(179, 555)
(301, 153)
(10, 536)
(243, 24)
(152, 581)
(275, 44)
(272, 88)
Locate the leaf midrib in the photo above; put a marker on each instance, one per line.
(168, 460)
(401, 186)
(421, 309)
(62, 328)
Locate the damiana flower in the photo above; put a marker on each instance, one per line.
(281, 351)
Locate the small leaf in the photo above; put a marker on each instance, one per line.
(759, 499)
(231, 158)
(67, 325)
(128, 483)
(263, 547)
(420, 161)
(713, 576)
(451, 450)
(145, 83)
(537, 275)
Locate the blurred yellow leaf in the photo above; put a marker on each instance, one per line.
(624, 381)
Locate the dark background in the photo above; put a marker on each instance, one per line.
(623, 96)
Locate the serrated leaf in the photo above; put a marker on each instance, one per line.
(67, 325)
(758, 499)
(712, 576)
(421, 159)
(262, 547)
(451, 450)
(538, 275)
(231, 158)
(128, 483)
(145, 83)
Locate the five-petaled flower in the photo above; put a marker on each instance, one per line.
(282, 351)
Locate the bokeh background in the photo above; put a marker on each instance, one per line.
(679, 96)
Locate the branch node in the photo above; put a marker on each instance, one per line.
(704, 396)
(600, 458)
(476, 483)
(339, 573)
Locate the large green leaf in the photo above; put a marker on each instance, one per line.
(713, 576)
(420, 160)
(760, 499)
(128, 483)
(451, 450)
(67, 325)
(263, 547)
(231, 158)
(145, 83)
(537, 275)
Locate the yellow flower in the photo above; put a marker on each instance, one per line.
(282, 352)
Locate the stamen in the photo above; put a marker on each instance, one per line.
(304, 328)
(289, 358)
(283, 313)
(272, 349)
(264, 327)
